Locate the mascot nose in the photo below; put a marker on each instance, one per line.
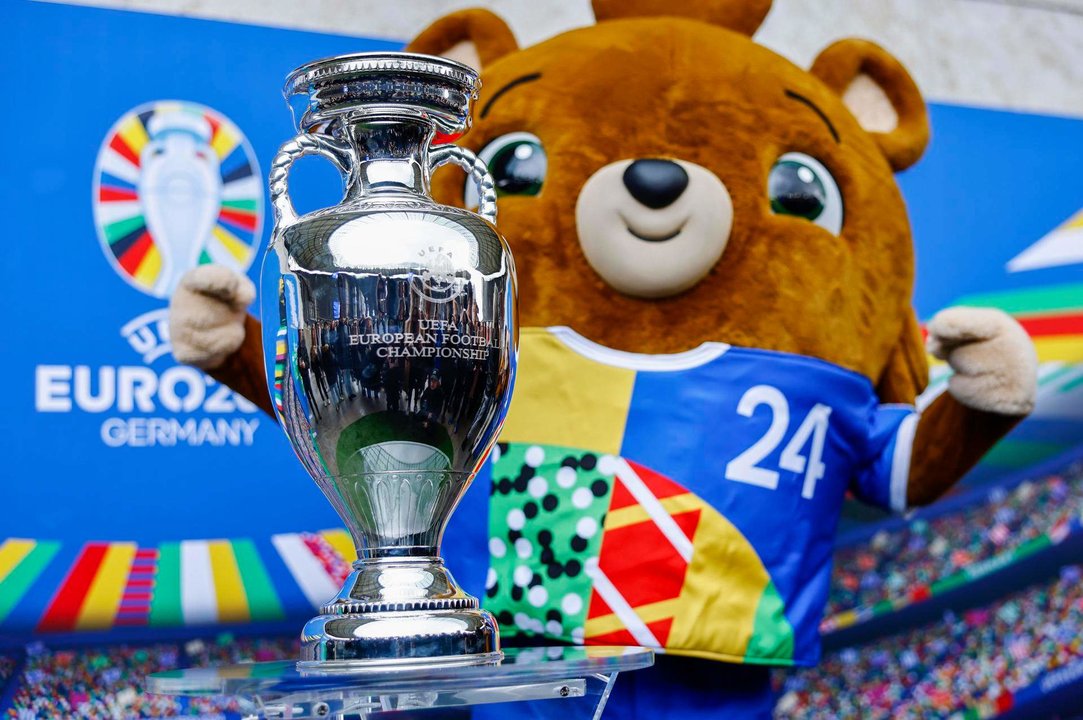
(655, 183)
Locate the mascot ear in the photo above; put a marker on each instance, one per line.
(907, 371)
(882, 96)
(473, 37)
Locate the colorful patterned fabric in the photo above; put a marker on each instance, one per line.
(686, 502)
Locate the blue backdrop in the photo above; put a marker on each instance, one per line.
(80, 469)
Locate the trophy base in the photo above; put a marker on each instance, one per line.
(400, 611)
(434, 637)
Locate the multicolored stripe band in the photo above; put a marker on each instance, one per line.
(118, 584)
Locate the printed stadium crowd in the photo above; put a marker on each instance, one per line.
(107, 682)
(894, 563)
(7, 669)
(967, 665)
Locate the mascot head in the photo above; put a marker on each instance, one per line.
(666, 181)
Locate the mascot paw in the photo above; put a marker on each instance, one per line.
(996, 368)
(206, 315)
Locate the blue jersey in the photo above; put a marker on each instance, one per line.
(687, 502)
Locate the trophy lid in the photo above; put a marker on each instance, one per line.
(372, 84)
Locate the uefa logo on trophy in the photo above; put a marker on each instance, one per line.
(176, 185)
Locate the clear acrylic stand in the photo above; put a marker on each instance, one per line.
(540, 682)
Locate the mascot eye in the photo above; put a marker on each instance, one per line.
(517, 163)
(800, 185)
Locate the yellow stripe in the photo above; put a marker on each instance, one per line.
(649, 613)
(634, 514)
(12, 553)
(1063, 348)
(134, 134)
(1066, 348)
(240, 671)
(341, 541)
(228, 586)
(232, 243)
(1076, 221)
(548, 410)
(846, 618)
(224, 141)
(149, 268)
(99, 608)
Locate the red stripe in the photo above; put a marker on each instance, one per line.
(213, 122)
(111, 194)
(130, 260)
(135, 597)
(130, 621)
(64, 609)
(140, 584)
(146, 554)
(118, 144)
(142, 577)
(1053, 325)
(445, 139)
(239, 218)
(328, 557)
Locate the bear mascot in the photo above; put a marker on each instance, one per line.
(716, 270)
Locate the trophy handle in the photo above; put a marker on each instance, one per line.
(477, 170)
(304, 144)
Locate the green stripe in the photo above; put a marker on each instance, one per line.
(951, 581)
(165, 604)
(23, 575)
(772, 634)
(267, 670)
(263, 603)
(1058, 373)
(1072, 385)
(240, 204)
(115, 231)
(1043, 299)
(1013, 454)
(1032, 546)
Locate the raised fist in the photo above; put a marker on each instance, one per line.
(996, 367)
(207, 315)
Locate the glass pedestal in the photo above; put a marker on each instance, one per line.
(539, 682)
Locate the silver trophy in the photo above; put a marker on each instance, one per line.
(390, 339)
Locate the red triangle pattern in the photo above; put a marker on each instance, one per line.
(659, 485)
(660, 629)
(598, 607)
(641, 562)
(620, 497)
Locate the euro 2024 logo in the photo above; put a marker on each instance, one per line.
(176, 185)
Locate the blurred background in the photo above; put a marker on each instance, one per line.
(152, 519)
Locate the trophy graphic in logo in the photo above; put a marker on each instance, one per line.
(176, 185)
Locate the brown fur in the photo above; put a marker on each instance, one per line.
(705, 93)
(697, 88)
(689, 90)
(242, 371)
